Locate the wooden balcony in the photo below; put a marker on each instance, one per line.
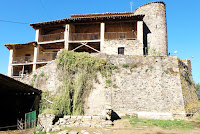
(51, 37)
(47, 56)
(22, 60)
(84, 36)
(120, 35)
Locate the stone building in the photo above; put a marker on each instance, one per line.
(142, 32)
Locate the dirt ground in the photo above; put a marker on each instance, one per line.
(124, 127)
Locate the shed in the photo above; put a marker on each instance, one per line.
(16, 99)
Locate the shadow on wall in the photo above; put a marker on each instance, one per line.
(146, 31)
(114, 116)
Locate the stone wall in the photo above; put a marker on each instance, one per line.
(155, 27)
(45, 78)
(45, 122)
(159, 87)
(131, 47)
(152, 87)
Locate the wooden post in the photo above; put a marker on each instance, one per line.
(102, 30)
(10, 63)
(140, 31)
(66, 36)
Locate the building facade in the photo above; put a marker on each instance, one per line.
(142, 32)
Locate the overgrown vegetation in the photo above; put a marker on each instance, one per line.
(167, 124)
(79, 71)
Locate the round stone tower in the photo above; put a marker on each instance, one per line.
(154, 28)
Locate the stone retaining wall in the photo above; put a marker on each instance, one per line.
(45, 122)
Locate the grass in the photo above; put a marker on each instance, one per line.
(40, 132)
(166, 124)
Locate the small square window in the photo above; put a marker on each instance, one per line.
(121, 50)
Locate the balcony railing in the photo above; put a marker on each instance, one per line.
(84, 36)
(51, 37)
(47, 56)
(23, 59)
(120, 35)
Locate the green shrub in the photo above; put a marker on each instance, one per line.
(125, 65)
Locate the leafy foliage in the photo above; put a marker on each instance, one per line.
(79, 71)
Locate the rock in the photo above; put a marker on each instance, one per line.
(62, 121)
(73, 117)
(56, 128)
(96, 117)
(48, 130)
(66, 117)
(63, 132)
(83, 131)
(87, 117)
(73, 132)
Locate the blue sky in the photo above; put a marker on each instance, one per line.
(183, 22)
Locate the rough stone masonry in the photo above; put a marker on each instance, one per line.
(159, 87)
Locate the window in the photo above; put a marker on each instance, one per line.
(121, 50)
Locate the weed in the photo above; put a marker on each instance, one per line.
(146, 70)
(32, 84)
(115, 86)
(34, 77)
(125, 65)
(108, 81)
(42, 74)
(133, 66)
(117, 71)
(166, 71)
(114, 67)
